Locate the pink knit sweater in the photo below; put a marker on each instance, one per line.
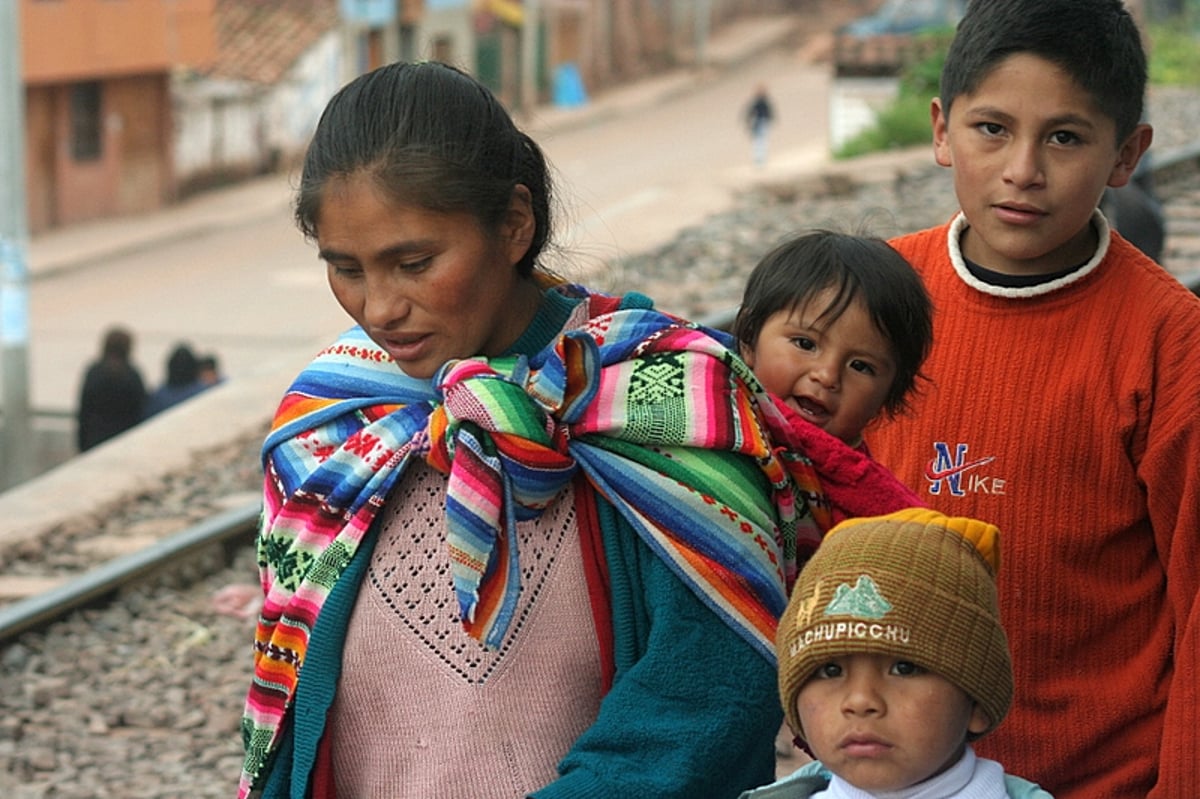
(468, 722)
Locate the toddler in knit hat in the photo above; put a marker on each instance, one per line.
(892, 659)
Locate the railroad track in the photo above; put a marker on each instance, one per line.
(191, 521)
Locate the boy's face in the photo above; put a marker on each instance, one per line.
(837, 375)
(1031, 157)
(884, 724)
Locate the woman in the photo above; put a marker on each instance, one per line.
(519, 539)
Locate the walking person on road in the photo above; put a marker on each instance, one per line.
(759, 116)
(519, 538)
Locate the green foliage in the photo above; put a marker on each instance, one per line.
(1174, 55)
(905, 122)
(1174, 60)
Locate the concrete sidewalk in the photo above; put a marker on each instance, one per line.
(82, 245)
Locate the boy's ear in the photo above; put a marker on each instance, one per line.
(940, 120)
(1128, 155)
(519, 223)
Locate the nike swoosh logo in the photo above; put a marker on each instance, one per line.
(933, 475)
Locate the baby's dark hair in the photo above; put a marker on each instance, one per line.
(854, 266)
(1096, 42)
(431, 136)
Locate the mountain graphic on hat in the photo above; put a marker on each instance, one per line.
(863, 601)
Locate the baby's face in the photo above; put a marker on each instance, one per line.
(885, 724)
(835, 374)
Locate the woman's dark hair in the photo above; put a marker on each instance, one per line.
(854, 267)
(433, 137)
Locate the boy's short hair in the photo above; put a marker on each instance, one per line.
(1096, 42)
(854, 267)
(915, 585)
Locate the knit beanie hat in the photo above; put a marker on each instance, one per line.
(914, 584)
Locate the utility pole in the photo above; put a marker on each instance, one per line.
(16, 443)
(531, 24)
(703, 8)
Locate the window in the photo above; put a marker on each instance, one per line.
(86, 132)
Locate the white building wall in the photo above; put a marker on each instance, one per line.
(295, 104)
(854, 103)
(226, 128)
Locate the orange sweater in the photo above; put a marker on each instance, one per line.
(1069, 415)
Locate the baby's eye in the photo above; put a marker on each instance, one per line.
(905, 668)
(863, 367)
(804, 342)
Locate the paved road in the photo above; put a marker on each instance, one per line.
(255, 293)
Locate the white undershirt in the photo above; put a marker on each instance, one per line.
(970, 778)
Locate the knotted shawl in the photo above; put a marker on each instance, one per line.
(633, 398)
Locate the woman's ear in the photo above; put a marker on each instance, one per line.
(519, 223)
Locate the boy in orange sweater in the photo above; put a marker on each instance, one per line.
(1065, 399)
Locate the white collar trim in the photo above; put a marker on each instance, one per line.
(959, 224)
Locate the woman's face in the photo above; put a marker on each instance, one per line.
(426, 286)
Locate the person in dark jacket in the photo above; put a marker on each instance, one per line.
(182, 381)
(113, 395)
(759, 116)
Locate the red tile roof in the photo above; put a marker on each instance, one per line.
(259, 40)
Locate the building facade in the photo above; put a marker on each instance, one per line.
(97, 102)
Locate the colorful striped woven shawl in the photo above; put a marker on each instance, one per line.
(637, 400)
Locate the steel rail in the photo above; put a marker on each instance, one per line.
(52, 605)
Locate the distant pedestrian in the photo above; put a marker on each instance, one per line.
(759, 116)
(113, 394)
(182, 381)
(209, 370)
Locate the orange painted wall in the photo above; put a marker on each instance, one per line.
(69, 40)
(133, 173)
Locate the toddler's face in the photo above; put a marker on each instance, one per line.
(885, 724)
(835, 374)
